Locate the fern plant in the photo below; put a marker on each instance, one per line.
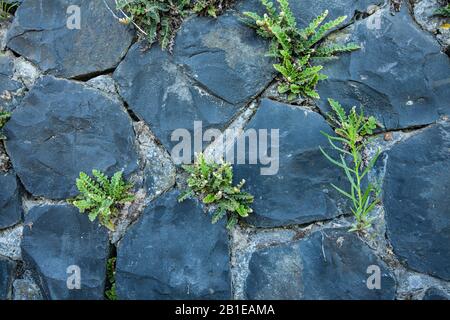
(211, 7)
(6, 9)
(296, 48)
(350, 142)
(102, 197)
(157, 19)
(110, 293)
(443, 11)
(213, 183)
(4, 117)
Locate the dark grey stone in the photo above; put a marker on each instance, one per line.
(300, 192)
(9, 88)
(225, 56)
(7, 273)
(330, 264)
(436, 294)
(307, 10)
(400, 75)
(56, 237)
(159, 93)
(174, 252)
(39, 32)
(63, 127)
(10, 202)
(416, 201)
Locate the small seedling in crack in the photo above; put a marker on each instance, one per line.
(213, 183)
(4, 117)
(6, 9)
(102, 197)
(110, 293)
(350, 142)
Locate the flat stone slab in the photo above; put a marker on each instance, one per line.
(225, 56)
(400, 75)
(300, 192)
(436, 294)
(40, 32)
(7, 273)
(10, 202)
(327, 265)
(63, 127)
(56, 240)
(164, 97)
(416, 201)
(174, 252)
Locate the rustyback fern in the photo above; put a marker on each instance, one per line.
(102, 197)
(213, 183)
(350, 141)
(211, 7)
(157, 19)
(296, 48)
(443, 11)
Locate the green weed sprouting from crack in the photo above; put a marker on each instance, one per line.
(295, 48)
(158, 20)
(110, 293)
(102, 197)
(6, 9)
(350, 142)
(4, 117)
(213, 183)
(211, 7)
(443, 11)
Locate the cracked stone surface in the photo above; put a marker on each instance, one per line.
(10, 89)
(7, 270)
(163, 96)
(10, 240)
(228, 52)
(380, 76)
(58, 239)
(330, 264)
(99, 97)
(300, 191)
(63, 128)
(166, 237)
(416, 200)
(40, 32)
(10, 202)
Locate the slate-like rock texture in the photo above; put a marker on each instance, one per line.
(225, 56)
(57, 237)
(7, 273)
(307, 10)
(9, 88)
(158, 92)
(10, 202)
(400, 75)
(173, 252)
(330, 264)
(40, 32)
(436, 294)
(416, 189)
(62, 128)
(300, 192)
